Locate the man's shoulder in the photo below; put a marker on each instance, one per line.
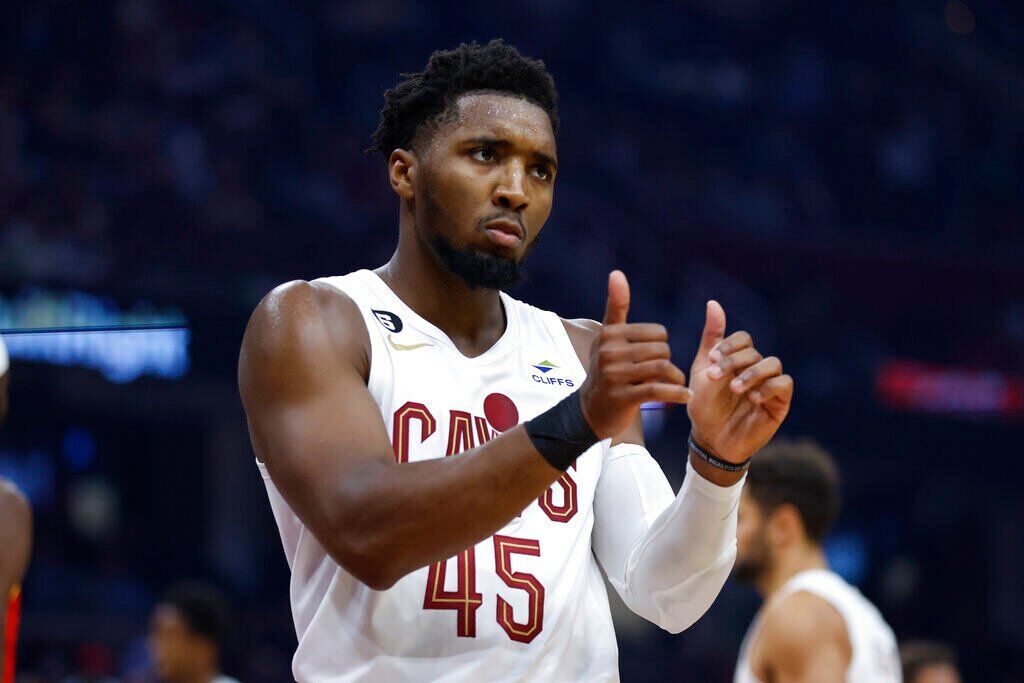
(292, 307)
(298, 299)
(799, 620)
(299, 324)
(12, 500)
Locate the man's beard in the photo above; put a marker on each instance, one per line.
(747, 571)
(477, 268)
(750, 568)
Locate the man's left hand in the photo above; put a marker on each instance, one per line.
(739, 397)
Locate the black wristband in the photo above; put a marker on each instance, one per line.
(561, 433)
(715, 461)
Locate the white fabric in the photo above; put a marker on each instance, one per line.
(4, 360)
(667, 556)
(875, 656)
(348, 632)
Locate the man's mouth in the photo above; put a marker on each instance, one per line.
(504, 232)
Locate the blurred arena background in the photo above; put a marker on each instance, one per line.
(847, 178)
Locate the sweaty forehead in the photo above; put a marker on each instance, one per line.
(504, 117)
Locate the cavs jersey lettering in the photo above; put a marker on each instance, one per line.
(528, 603)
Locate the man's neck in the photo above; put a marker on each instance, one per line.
(473, 319)
(787, 565)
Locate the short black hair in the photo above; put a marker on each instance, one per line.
(918, 654)
(426, 96)
(802, 474)
(205, 609)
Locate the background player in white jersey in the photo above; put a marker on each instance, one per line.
(409, 565)
(813, 627)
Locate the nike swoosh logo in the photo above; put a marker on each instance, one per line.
(405, 347)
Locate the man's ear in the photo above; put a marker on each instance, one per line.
(785, 525)
(402, 167)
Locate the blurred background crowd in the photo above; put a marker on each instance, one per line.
(847, 178)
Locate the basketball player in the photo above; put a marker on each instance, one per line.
(449, 466)
(187, 635)
(813, 626)
(925, 661)
(16, 545)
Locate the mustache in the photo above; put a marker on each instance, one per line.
(504, 216)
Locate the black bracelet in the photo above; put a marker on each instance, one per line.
(561, 433)
(715, 461)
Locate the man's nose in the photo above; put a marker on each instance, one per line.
(510, 192)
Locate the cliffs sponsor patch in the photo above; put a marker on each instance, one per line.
(544, 375)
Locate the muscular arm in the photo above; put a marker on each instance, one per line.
(667, 556)
(16, 541)
(802, 639)
(302, 375)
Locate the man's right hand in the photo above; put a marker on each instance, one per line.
(630, 364)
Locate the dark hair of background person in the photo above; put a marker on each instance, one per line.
(800, 473)
(206, 611)
(916, 655)
(427, 96)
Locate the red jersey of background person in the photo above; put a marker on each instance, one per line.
(12, 619)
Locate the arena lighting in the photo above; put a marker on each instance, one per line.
(913, 386)
(75, 328)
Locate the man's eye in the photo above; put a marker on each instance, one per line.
(483, 154)
(542, 172)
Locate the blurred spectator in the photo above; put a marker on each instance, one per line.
(188, 634)
(928, 662)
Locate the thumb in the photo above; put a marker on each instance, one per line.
(714, 329)
(618, 298)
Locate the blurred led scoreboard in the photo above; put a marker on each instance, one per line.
(73, 328)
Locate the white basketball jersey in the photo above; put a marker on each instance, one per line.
(875, 656)
(527, 604)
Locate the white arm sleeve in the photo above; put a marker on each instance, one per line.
(667, 557)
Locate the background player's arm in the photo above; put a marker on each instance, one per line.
(802, 639)
(302, 375)
(16, 542)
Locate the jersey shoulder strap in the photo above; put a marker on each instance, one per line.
(545, 326)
